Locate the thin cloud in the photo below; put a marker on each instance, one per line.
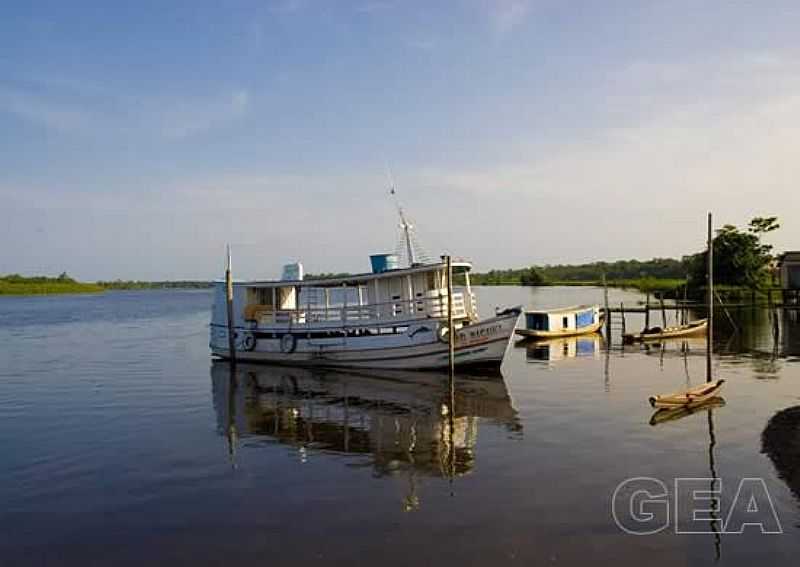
(505, 15)
(74, 106)
(188, 117)
(43, 111)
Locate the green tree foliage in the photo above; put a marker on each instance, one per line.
(521, 276)
(15, 284)
(622, 270)
(659, 268)
(531, 276)
(740, 257)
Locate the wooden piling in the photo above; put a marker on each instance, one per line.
(622, 314)
(451, 375)
(606, 311)
(229, 304)
(685, 310)
(663, 311)
(710, 298)
(647, 311)
(451, 338)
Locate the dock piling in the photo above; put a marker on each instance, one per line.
(710, 299)
(229, 305)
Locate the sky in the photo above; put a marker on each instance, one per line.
(137, 139)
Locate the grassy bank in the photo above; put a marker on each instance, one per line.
(15, 284)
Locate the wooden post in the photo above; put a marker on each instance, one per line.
(710, 299)
(451, 339)
(451, 375)
(607, 312)
(663, 310)
(229, 302)
(647, 311)
(622, 313)
(685, 310)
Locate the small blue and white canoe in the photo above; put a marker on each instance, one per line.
(563, 322)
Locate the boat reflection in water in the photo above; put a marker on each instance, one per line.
(400, 420)
(553, 350)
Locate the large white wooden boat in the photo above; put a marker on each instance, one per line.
(389, 318)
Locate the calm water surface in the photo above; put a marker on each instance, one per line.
(122, 443)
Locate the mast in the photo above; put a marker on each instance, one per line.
(407, 233)
(405, 226)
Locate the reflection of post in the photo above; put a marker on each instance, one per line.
(231, 432)
(714, 512)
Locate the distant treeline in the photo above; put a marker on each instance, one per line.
(659, 268)
(179, 284)
(15, 284)
(327, 275)
(620, 272)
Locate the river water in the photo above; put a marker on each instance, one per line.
(122, 443)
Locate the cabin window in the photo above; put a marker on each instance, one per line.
(564, 322)
(584, 318)
(537, 321)
(431, 281)
(260, 296)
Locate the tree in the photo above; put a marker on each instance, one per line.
(740, 258)
(531, 276)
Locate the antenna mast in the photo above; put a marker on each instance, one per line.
(415, 254)
(405, 226)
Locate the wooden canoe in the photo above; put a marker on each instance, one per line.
(691, 329)
(691, 397)
(664, 415)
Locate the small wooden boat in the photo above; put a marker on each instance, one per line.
(564, 322)
(691, 397)
(664, 415)
(691, 329)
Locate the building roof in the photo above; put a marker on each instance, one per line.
(789, 256)
(354, 278)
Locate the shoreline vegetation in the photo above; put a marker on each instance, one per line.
(15, 284)
(743, 265)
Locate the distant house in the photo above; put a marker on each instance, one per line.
(789, 266)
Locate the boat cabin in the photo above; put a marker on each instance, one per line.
(384, 296)
(566, 319)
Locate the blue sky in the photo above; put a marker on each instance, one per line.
(137, 138)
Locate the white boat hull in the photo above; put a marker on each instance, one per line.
(481, 344)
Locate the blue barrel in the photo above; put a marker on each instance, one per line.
(383, 262)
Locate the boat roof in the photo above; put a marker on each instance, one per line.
(354, 279)
(571, 309)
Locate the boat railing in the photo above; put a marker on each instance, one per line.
(399, 309)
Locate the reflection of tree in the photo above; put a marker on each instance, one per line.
(781, 442)
(767, 336)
